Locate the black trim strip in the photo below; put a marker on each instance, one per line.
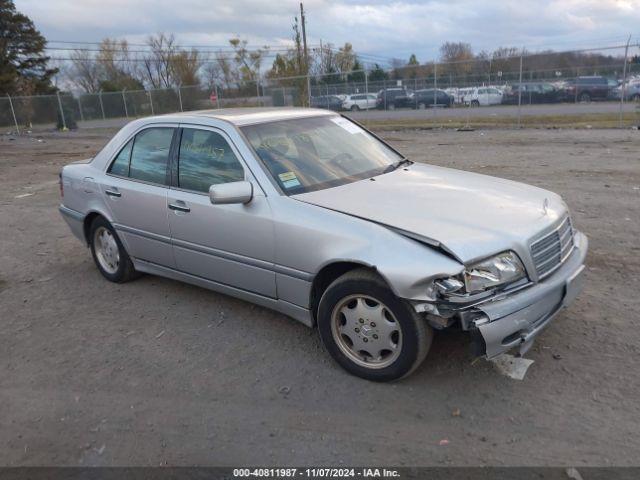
(71, 213)
(253, 262)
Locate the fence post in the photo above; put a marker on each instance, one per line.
(258, 90)
(366, 84)
(435, 84)
(215, 88)
(124, 102)
(150, 101)
(384, 91)
(180, 98)
(80, 109)
(284, 97)
(308, 88)
(13, 112)
(64, 122)
(520, 88)
(101, 104)
(623, 90)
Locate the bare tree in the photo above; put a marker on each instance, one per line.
(248, 62)
(185, 66)
(157, 63)
(84, 71)
(457, 58)
(345, 58)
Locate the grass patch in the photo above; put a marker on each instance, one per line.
(590, 120)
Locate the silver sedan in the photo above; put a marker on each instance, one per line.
(306, 212)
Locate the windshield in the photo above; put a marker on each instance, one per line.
(308, 154)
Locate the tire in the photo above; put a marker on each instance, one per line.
(422, 106)
(585, 97)
(109, 254)
(391, 106)
(366, 294)
(635, 97)
(475, 103)
(355, 108)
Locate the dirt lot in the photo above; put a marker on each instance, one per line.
(156, 372)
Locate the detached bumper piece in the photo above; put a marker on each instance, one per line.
(516, 320)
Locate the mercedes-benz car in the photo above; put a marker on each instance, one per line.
(306, 212)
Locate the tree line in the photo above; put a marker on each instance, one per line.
(115, 65)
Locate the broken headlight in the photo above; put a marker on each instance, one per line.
(492, 272)
(504, 268)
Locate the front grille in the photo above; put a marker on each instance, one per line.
(550, 251)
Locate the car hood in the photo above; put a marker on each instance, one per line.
(469, 215)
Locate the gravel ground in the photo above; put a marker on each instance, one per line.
(155, 372)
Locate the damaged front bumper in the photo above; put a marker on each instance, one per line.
(515, 320)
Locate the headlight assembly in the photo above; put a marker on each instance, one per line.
(501, 269)
(504, 268)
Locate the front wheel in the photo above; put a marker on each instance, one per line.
(369, 331)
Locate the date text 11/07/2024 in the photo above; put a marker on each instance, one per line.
(315, 473)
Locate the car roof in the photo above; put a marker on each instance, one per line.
(248, 116)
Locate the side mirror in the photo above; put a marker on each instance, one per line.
(234, 192)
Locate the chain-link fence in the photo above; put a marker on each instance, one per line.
(599, 87)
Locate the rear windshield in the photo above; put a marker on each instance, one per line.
(308, 154)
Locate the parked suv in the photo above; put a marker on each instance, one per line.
(330, 102)
(631, 90)
(483, 96)
(430, 97)
(531, 92)
(392, 98)
(585, 89)
(359, 101)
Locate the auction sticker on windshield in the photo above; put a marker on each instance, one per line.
(289, 180)
(347, 125)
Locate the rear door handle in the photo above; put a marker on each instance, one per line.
(179, 208)
(113, 193)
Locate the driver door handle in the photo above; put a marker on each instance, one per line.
(179, 208)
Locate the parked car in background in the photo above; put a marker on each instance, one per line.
(531, 92)
(631, 90)
(305, 212)
(392, 98)
(587, 88)
(483, 96)
(329, 102)
(359, 101)
(430, 97)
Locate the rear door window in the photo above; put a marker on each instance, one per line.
(150, 155)
(120, 165)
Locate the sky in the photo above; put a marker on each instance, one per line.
(379, 30)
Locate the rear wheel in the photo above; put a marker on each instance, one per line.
(475, 103)
(422, 106)
(369, 331)
(585, 97)
(355, 108)
(109, 254)
(391, 106)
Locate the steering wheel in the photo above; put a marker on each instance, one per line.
(341, 158)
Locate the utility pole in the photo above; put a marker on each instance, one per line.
(306, 52)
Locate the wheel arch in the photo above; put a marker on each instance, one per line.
(88, 220)
(327, 275)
